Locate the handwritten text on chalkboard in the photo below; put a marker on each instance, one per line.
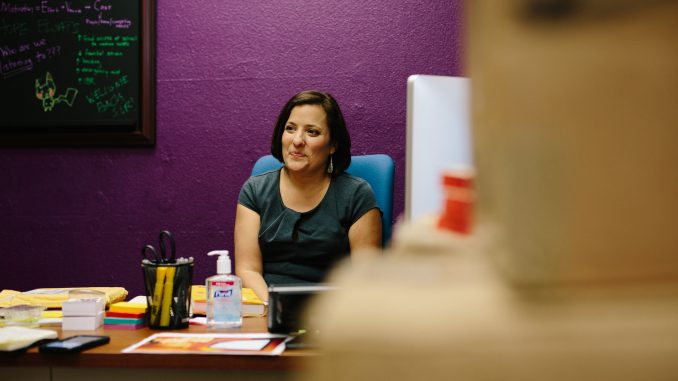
(77, 60)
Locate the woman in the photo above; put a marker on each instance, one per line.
(294, 223)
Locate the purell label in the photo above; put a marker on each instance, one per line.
(223, 293)
(222, 283)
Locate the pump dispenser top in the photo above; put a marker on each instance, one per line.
(223, 262)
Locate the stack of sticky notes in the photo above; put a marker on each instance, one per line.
(82, 314)
(126, 315)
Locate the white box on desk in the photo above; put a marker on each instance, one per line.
(82, 323)
(83, 307)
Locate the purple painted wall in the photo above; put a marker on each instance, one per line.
(78, 217)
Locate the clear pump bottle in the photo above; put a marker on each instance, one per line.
(224, 295)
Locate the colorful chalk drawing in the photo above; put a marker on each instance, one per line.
(45, 92)
(81, 53)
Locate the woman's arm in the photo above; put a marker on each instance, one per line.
(248, 261)
(365, 234)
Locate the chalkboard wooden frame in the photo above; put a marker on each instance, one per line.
(143, 135)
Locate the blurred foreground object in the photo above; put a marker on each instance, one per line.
(433, 308)
(576, 137)
(571, 272)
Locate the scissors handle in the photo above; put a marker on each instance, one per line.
(148, 248)
(163, 249)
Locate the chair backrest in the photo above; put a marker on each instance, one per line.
(377, 170)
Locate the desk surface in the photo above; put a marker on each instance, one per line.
(110, 355)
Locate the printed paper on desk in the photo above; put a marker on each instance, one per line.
(243, 345)
(265, 344)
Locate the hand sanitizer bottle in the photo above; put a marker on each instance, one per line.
(224, 295)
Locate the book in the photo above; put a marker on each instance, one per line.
(125, 326)
(51, 318)
(129, 315)
(124, 320)
(54, 297)
(15, 338)
(252, 306)
(119, 320)
(127, 307)
(138, 299)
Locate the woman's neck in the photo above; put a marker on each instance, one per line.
(303, 192)
(302, 181)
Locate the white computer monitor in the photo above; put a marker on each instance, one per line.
(438, 138)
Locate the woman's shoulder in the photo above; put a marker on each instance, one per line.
(354, 192)
(259, 190)
(263, 181)
(265, 177)
(350, 182)
(267, 174)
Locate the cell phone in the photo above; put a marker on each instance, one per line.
(74, 344)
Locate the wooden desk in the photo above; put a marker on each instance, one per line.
(108, 362)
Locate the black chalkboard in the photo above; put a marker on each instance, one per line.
(77, 72)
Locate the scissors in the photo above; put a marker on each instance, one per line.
(162, 256)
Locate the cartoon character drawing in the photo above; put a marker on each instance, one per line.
(45, 92)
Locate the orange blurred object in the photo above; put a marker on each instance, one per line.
(459, 196)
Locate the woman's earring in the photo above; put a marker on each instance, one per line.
(330, 168)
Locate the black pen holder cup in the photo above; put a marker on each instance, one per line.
(168, 293)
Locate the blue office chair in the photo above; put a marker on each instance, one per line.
(377, 170)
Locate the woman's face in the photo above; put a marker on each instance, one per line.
(306, 139)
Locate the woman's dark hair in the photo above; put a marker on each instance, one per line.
(339, 136)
